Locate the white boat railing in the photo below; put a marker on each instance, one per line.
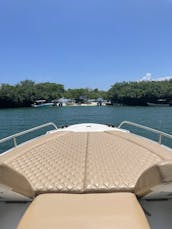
(14, 136)
(160, 133)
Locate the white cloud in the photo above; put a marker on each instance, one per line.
(148, 77)
(164, 78)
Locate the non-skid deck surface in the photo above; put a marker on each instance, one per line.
(78, 163)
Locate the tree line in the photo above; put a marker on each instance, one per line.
(139, 93)
(26, 92)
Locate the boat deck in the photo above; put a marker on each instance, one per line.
(82, 162)
(74, 176)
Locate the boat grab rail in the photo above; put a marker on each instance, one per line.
(14, 136)
(161, 133)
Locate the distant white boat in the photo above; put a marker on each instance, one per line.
(158, 104)
(41, 103)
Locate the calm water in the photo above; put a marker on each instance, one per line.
(16, 120)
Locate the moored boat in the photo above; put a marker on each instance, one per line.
(160, 103)
(41, 103)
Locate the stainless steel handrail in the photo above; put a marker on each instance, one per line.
(14, 136)
(161, 133)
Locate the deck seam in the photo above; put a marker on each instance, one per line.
(86, 160)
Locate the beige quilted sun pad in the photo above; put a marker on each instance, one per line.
(79, 163)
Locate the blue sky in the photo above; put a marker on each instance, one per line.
(92, 43)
